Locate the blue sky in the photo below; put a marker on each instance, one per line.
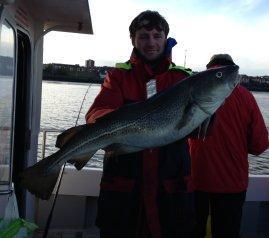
(202, 28)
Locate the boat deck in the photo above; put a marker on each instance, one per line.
(88, 233)
(93, 233)
(255, 223)
(76, 207)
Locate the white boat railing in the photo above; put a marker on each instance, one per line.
(44, 133)
(43, 146)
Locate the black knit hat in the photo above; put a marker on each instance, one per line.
(220, 59)
(150, 20)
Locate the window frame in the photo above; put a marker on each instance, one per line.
(6, 19)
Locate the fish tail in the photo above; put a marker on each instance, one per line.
(38, 180)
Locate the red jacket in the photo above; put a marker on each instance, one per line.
(127, 83)
(220, 161)
(122, 85)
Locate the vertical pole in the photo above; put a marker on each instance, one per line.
(185, 58)
(43, 150)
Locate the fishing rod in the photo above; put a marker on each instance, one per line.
(61, 174)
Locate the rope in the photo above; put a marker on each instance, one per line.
(61, 175)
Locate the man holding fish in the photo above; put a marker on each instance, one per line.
(144, 194)
(141, 117)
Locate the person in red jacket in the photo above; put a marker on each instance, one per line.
(144, 194)
(220, 160)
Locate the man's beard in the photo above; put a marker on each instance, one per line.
(152, 63)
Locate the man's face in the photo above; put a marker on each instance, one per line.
(150, 43)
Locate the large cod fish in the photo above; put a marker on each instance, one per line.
(162, 119)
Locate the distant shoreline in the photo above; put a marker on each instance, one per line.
(256, 88)
(74, 80)
(96, 74)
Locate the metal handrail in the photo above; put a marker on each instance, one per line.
(44, 139)
(44, 132)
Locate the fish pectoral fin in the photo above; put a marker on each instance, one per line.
(64, 137)
(37, 181)
(80, 161)
(120, 149)
(185, 116)
(204, 128)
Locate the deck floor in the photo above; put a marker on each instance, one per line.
(94, 234)
(89, 233)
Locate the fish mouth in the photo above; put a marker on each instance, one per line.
(238, 78)
(236, 82)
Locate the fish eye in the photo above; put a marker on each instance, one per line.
(219, 74)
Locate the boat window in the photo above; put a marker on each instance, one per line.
(7, 51)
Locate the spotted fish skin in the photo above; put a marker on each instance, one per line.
(162, 119)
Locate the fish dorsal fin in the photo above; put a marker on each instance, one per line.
(64, 137)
